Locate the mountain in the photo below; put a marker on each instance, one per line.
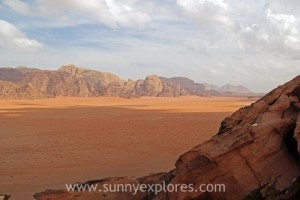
(210, 86)
(69, 80)
(189, 85)
(254, 155)
(234, 89)
(73, 81)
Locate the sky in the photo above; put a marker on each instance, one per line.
(255, 43)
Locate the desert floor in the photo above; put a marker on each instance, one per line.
(49, 143)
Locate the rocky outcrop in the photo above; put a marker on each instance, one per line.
(255, 147)
(190, 87)
(152, 86)
(4, 196)
(79, 82)
(73, 81)
(255, 155)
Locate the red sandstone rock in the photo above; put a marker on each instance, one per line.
(73, 81)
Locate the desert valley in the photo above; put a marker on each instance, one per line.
(149, 100)
(47, 143)
(76, 125)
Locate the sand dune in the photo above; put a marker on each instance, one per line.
(48, 143)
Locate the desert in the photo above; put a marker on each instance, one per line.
(253, 155)
(47, 143)
(149, 100)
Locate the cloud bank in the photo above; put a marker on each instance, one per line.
(71, 12)
(254, 43)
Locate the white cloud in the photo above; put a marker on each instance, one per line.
(11, 37)
(282, 21)
(207, 12)
(214, 41)
(288, 28)
(192, 5)
(246, 25)
(277, 34)
(113, 13)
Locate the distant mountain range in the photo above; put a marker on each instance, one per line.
(69, 80)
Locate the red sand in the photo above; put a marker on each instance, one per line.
(48, 143)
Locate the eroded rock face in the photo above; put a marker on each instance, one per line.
(255, 147)
(72, 81)
(188, 86)
(255, 155)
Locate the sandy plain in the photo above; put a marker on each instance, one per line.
(48, 143)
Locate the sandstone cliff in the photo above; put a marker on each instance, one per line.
(79, 82)
(190, 87)
(255, 154)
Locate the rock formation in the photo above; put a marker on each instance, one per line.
(28, 83)
(255, 149)
(234, 89)
(189, 85)
(4, 196)
(255, 155)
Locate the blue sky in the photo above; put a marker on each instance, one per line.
(255, 43)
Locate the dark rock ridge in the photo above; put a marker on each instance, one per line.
(29, 83)
(255, 155)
